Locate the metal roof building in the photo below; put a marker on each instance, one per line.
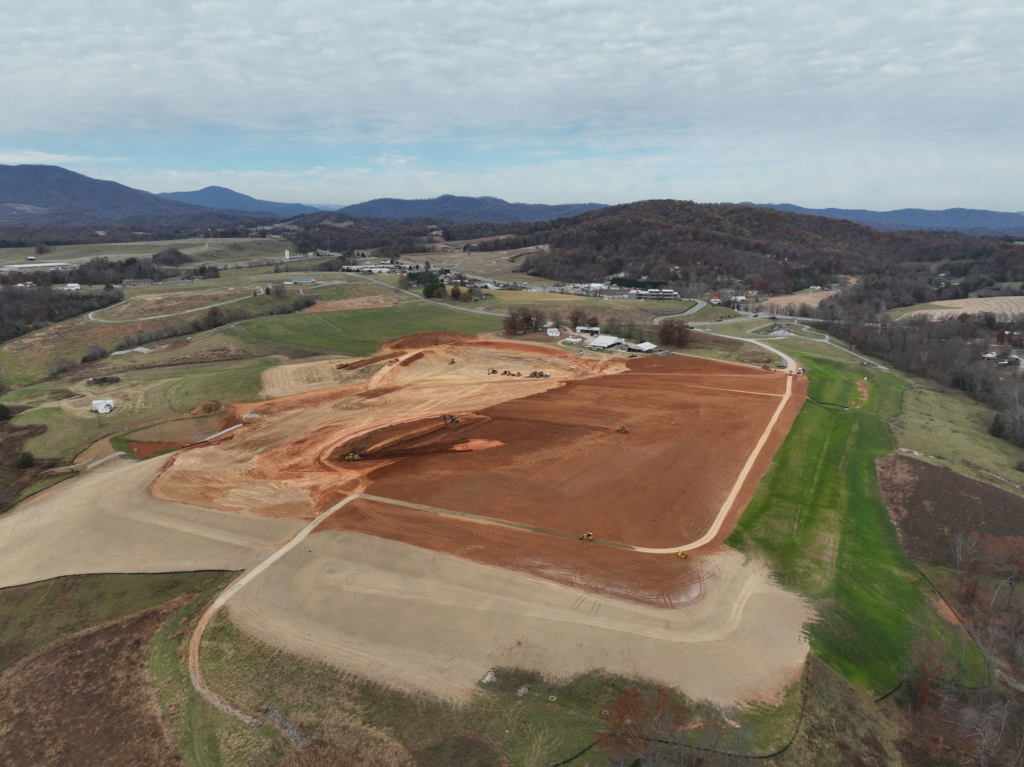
(604, 342)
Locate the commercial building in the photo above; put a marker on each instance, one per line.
(654, 294)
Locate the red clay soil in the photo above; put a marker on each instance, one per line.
(88, 700)
(929, 505)
(563, 466)
(411, 359)
(655, 579)
(424, 340)
(149, 449)
(368, 361)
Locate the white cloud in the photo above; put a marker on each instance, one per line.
(825, 93)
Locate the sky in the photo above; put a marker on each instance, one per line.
(866, 104)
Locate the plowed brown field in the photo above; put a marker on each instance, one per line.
(560, 462)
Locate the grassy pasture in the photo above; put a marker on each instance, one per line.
(951, 430)
(361, 331)
(819, 519)
(709, 313)
(143, 397)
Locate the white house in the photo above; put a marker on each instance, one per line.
(553, 332)
(644, 348)
(594, 331)
(574, 341)
(102, 405)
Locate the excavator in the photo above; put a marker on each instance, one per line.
(682, 555)
(492, 372)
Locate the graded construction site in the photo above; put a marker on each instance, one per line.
(478, 518)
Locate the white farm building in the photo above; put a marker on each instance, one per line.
(603, 343)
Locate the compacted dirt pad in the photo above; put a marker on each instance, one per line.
(930, 504)
(557, 460)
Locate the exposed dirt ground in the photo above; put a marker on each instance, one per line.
(429, 622)
(184, 430)
(930, 504)
(108, 522)
(1004, 307)
(366, 302)
(778, 303)
(285, 380)
(560, 463)
(87, 700)
(149, 449)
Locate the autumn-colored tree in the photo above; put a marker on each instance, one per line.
(927, 663)
(456, 292)
(674, 333)
(639, 724)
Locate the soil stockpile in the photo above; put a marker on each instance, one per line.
(88, 700)
(930, 504)
(424, 340)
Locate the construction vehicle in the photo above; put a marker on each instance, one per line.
(451, 362)
(766, 367)
(622, 430)
(682, 555)
(353, 457)
(492, 372)
(587, 537)
(450, 419)
(518, 374)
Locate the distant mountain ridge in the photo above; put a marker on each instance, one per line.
(30, 193)
(47, 195)
(960, 219)
(222, 198)
(470, 209)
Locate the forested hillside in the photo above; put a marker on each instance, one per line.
(713, 246)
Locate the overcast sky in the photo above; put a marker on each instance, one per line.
(869, 104)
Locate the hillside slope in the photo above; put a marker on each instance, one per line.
(479, 209)
(960, 219)
(222, 198)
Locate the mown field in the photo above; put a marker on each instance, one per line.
(143, 397)
(819, 519)
(362, 331)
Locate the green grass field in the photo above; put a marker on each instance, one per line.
(819, 519)
(951, 430)
(143, 397)
(709, 313)
(361, 332)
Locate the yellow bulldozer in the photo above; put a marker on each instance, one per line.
(492, 372)
(353, 457)
(622, 430)
(587, 537)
